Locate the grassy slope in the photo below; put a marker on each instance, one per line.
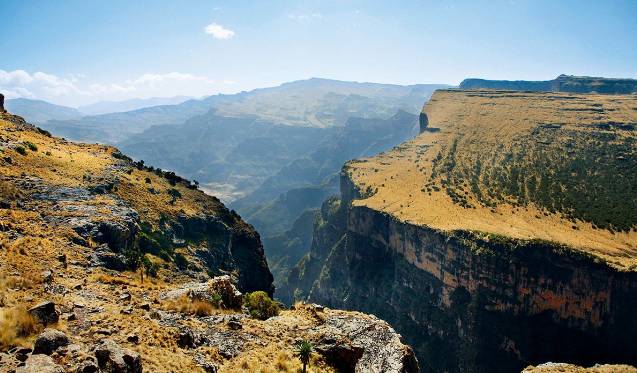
(552, 166)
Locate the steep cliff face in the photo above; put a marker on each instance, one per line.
(468, 301)
(470, 297)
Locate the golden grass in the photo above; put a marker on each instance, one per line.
(480, 125)
(16, 326)
(190, 306)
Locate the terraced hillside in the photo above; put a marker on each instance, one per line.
(108, 265)
(503, 236)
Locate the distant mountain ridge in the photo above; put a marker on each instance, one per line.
(105, 107)
(563, 83)
(38, 111)
(313, 102)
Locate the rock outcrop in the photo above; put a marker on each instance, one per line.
(40, 364)
(45, 312)
(49, 341)
(221, 287)
(112, 358)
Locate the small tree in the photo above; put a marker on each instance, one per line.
(304, 351)
(174, 193)
(135, 259)
(260, 305)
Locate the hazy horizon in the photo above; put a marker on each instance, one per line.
(73, 53)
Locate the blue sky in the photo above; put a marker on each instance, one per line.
(77, 52)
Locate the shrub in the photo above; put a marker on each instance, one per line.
(150, 267)
(31, 146)
(180, 261)
(260, 305)
(174, 193)
(21, 150)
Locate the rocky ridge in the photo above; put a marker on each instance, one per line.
(109, 265)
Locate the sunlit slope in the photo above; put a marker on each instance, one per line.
(528, 165)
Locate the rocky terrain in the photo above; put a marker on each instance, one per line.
(107, 265)
(563, 83)
(502, 236)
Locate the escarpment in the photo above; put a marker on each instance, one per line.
(505, 238)
(563, 83)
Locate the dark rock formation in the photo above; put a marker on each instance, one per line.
(232, 245)
(45, 313)
(466, 303)
(49, 341)
(2, 103)
(423, 121)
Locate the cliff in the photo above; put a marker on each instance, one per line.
(504, 238)
(563, 83)
(109, 265)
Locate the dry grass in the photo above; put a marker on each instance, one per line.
(16, 326)
(479, 125)
(191, 306)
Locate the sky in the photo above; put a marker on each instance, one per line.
(79, 52)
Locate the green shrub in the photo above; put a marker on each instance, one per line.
(150, 267)
(21, 150)
(31, 146)
(260, 305)
(180, 261)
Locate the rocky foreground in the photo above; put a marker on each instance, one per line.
(107, 265)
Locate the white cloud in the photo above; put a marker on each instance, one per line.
(218, 32)
(305, 17)
(76, 90)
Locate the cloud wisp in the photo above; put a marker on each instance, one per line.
(76, 90)
(218, 31)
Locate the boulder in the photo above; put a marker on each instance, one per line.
(104, 257)
(39, 364)
(186, 339)
(111, 358)
(363, 343)
(47, 276)
(48, 341)
(133, 338)
(2, 103)
(87, 366)
(208, 291)
(45, 313)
